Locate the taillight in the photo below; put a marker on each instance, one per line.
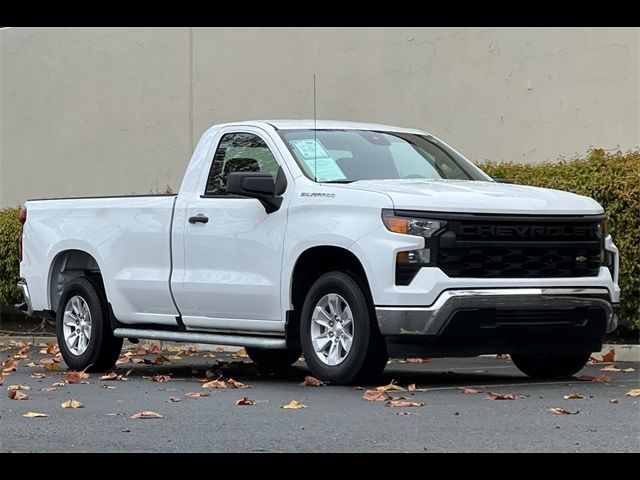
(22, 218)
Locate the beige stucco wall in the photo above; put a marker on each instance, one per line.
(114, 111)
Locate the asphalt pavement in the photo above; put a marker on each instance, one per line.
(336, 419)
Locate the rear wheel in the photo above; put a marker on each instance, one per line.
(548, 366)
(269, 359)
(340, 341)
(83, 328)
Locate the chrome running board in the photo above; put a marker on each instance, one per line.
(210, 338)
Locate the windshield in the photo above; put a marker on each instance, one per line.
(343, 156)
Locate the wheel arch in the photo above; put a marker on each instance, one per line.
(66, 265)
(308, 267)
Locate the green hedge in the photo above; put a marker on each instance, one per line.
(9, 268)
(612, 179)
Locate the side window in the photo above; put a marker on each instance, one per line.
(238, 152)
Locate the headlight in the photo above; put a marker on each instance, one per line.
(409, 263)
(423, 227)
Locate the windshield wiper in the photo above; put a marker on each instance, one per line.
(339, 181)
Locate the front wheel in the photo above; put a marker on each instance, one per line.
(83, 329)
(340, 340)
(549, 366)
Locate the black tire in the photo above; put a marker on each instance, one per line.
(368, 354)
(271, 360)
(103, 348)
(549, 366)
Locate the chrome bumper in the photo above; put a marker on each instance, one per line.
(26, 307)
(431, 320)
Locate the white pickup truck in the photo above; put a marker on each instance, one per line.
(347, 242)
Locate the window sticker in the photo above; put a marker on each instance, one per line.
(318, 160)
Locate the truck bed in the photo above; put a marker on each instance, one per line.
(127, 236)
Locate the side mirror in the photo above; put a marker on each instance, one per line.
(503, 180)
(255, 185)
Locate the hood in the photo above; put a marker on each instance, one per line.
(478, 197)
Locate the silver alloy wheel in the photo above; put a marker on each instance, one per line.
(332, 329)
(76, 325)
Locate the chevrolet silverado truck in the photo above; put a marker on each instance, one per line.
(346, 242)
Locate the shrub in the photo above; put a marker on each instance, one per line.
(612, 179)
(9, 266)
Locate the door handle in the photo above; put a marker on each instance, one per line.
(198, 219)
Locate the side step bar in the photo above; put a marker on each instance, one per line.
(194, 337)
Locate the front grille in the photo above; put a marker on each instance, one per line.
(520, 248)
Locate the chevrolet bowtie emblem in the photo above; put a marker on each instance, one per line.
(581, 259)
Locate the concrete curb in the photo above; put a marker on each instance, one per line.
(624, 353)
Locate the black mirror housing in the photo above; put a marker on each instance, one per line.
(255, 185)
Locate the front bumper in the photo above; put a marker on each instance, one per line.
(504, 307)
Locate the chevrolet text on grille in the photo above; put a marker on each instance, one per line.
(526, 230)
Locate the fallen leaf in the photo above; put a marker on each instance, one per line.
(219, 349)
(196, 394)
(174, 399)
(609, 357)
(59, 384)
(153, 348)
(310, 381)
(52, 367)
(236, 384)
(160, 378)
(146, 414)
(562, 411)
(1, 379)
(628, 370)
(503, 356)
(123, 359)
(613, 400)
(20, 356)
(74, 377)
(114, 414)
(470, 391)
(49, 389)
(18, 387)
(418, 360)
(407, 413)
(72, 404)
(635, 392)
(214, 384)
(241, 352)
(17, 395)
(189, 352)
(30, 365)
(39, 375)
(573, 396)
(403, 403)
(9, 366)
(411, 387)
(174, 358)
(140, 361)
(34, 415)
(392, 386)
(503, 396)
(160, 359)
(591, 378)
(50, 349)
(247, 401)
(209, 355)
(47, 361)
(611, 368)
(108, 387)
(293, 405)
(592, 361)
(108, 376)
(376, 396)
(57, 357)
